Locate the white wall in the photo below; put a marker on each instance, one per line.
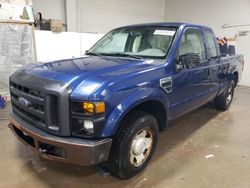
(243, 44)
(102, 16)
(215, 14)
(50, 9)
(71, 15)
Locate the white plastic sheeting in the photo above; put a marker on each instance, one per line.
(16, 50)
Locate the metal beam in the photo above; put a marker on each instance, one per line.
(71, 15)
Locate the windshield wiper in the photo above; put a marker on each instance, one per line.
(124, 55)
(213, 58)
(115, 54)
(93, 53)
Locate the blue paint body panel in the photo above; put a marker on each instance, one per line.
(124, 82)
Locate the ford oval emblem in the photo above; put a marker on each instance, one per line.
(24, 102)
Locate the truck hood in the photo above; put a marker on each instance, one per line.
(90, 70)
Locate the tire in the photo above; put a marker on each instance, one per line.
(223, 101)
(134, 145)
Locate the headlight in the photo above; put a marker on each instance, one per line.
(88, 125)
(87, 118)
(81, 127)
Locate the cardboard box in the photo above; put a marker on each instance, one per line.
(56, 25)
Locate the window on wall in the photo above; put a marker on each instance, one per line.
(212, 52)
(192, 42)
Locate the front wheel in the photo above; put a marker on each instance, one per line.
(134, 145)
(223, 101)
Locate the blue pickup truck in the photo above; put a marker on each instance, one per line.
(109, 106)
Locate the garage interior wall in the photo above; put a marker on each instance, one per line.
(97, 16)
(215, 14)
(101, 16)
(54, 9)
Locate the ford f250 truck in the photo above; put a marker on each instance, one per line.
(108, 106)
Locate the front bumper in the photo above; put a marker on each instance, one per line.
(63, 149)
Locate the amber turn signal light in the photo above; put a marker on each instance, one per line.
(98, 107)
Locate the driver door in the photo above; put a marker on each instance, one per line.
(190, 83)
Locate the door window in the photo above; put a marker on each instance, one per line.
(192, 42)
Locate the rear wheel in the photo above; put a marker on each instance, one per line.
(134, 145)
(223, 101)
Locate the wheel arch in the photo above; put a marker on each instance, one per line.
(154, 105)
(236, 77)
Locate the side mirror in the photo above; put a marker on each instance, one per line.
(189, 60)
(179, 66)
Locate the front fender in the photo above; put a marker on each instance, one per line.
(131, 101)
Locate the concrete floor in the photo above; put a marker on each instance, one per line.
(179, 161)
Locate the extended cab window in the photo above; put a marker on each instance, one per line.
(192, 43)
(212, 52)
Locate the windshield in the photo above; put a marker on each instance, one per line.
(139, 41)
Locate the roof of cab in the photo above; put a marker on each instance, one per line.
(162, 24)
